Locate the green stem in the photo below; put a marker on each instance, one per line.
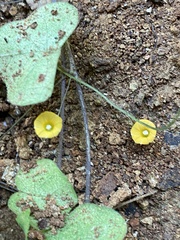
(70, 75)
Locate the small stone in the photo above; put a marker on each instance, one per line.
(135, 234)
(13, 11)
(10, 173)
(163, 151)
(133, 86)
(144, 204)
(134, 222)
(174, 30)
(122, 46)
(25, 152)
(119, 196)
(5, 162)
(139, 98)
(146, 57)
(22, 147)
(4, 8)
(162, 51)
(35, 4)
(147, 220)
(149, 10)
(66, 151)
(152, 180)
(114, 138)
(106, 185)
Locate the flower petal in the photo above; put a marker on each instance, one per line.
(44, 119)
(138, 129)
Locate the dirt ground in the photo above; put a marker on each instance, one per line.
(130, 51)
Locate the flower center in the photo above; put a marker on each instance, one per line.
(48, 127)
(145, 133)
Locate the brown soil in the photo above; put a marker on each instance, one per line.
(130, 51)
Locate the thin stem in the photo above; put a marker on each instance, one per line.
(129, 115)
(63, 95)
(64, 90)
(5, 186)
(61, 112)
(135, 199)
(87, 136)
(85, 120)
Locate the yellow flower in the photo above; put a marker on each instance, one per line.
(47, 125)
(142, 134)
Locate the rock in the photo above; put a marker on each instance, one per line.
(163, 151)
(149, 10)
(134, 222)
(13, 11)
(22, 147)
(34, 4)
(133, 85)
(144, 204)
(119, 196)
(162, 51)
(5, 162)
(114, 138)
(10, 173)
(152, 180)
(106, 185)
(174, 30)
(25, 153)
(106, 190)
(147, 220)
(122, 46)
(135, 234)
(139, 98)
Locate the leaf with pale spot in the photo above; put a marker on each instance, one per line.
(30, 50)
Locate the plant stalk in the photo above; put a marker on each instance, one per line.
(85, 120)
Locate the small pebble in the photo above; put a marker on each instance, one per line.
(149, 10)
(13, 11)
(147, 220)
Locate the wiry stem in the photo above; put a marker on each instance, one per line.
(84, 113)
(9, 188)
(59, 159)
(120, 205)
(87, 136)
(111, 103)
(64, 61)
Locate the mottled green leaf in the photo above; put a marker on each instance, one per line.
(42, 181)
(92, 222)
(30, 50)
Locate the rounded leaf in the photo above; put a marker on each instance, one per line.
(92, 222)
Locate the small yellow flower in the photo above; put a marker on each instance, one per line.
(142, 134)
(47, 125)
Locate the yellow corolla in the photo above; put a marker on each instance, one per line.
(142, 134)
(47, 125)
